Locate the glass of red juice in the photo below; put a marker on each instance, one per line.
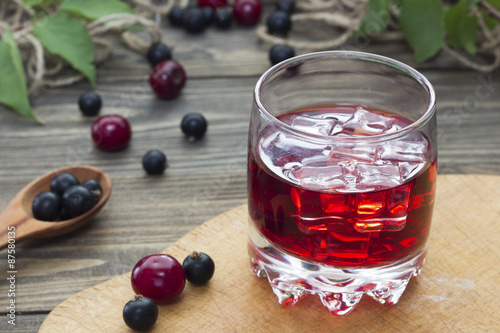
(341, 177)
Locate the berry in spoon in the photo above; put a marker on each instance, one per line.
(46, 206)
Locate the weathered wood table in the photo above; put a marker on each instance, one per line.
(205, 178)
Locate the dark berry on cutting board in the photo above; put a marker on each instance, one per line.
(140, 314)
(198, 267)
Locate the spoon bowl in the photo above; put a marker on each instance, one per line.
(17, 223)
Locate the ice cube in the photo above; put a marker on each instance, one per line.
(317, 177)
(378, 176)
(365, 122)
(317, 125)
(382, 210)
(409, 170)
(403, 151)
(319, 213)
(344, 153)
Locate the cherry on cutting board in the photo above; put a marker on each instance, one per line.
(159, 277)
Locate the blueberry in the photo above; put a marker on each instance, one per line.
(157, 53)
(76, 201)
(209, 15)
(194, 125)
(61, 182)
(46, 206)
(279, 23)
(286, 6)
(90, 103)
(223, 18)
(194, 20)
(154, 162)
(198, 267)
(140, 314)
(279, 52)
(176, 16)
(93, 186)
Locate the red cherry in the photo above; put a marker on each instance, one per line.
(111, 132)
(167, 79)
(212, 3)
(159, 277)
(247, 12)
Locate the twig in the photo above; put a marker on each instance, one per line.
(490, 9)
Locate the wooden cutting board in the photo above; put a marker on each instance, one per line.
(458, 290)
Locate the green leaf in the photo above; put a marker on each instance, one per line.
(13, 91)
(470, 3)
(67, 37)
(422, 23)
(94, 9)
(376, 18)
(32, 3)
(461, 28)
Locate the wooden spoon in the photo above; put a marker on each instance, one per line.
(18, 213)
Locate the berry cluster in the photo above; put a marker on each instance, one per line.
(66, 199)
(279, 23)
(160, 278)
(195, 19)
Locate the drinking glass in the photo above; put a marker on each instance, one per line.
(341, 177)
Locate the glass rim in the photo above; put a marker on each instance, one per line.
(364, 56)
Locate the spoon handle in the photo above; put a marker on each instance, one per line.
(12, 229)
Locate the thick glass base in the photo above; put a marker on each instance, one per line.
(340, 289)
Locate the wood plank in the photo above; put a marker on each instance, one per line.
(457, 280)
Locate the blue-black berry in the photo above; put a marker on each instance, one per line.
(223, 18)
(194, 20)
(93, 186)
(76, 201)
(46, 206)
(287, 6)
(194, 126)
(176, 16)
(154, 162)
(157, 53)
(62, 181)
(90, 103)
(279, 53)
(209, 14)
(279, 23)
(198, 267)
(140, 314)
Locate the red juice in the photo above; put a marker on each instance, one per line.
(343, 204)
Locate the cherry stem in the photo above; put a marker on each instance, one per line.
(490, 9)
